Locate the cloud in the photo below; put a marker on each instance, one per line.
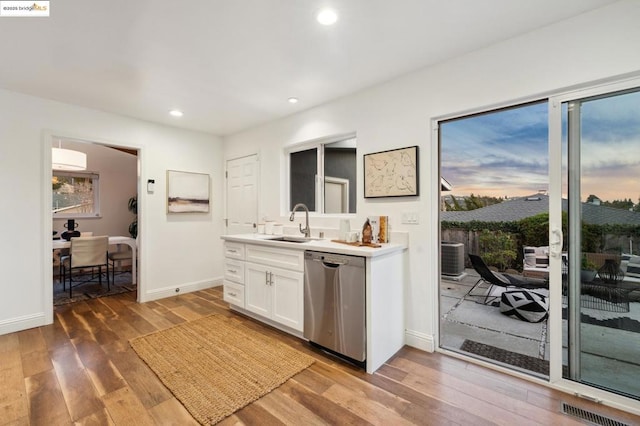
(506, 152)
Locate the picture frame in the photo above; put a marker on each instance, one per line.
(392, 173)
(187, 192)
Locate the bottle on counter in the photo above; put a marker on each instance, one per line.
(367, 232)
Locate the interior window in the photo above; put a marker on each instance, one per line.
(75, 194)
(323, 176)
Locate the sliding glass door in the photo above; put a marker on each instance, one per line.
(601, 269)
(494, 219)
(546, 193)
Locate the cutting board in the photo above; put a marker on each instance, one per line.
(357, 244)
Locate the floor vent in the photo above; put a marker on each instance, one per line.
(589, 416)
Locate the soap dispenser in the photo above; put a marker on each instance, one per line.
(367, 233)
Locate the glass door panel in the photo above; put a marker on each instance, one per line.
(494, 224)
(601, 290)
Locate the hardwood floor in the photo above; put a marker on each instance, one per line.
(81, 370)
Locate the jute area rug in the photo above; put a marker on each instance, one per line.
(216, 365)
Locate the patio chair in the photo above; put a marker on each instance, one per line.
(501, 280)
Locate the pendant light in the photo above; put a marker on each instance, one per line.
(67, 159)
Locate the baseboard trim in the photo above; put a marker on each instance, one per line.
(418, 340)
(25, 322)
(182, 288)
(267, 321)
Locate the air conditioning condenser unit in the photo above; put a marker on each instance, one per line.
(452, 258)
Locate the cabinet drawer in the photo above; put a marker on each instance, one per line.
(234, 271)
(276, 257)
(234, 293)
(234, 250)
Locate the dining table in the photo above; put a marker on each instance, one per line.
(116, 240)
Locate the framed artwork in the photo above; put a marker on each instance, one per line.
(391, 173)
(187, 192)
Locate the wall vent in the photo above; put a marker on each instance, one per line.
(452, 258)
(589, 416)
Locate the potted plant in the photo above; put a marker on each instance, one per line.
(589, 270)
(133, 208)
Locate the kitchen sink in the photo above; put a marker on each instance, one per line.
(293, 239)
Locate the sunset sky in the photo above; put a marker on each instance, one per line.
(505, 153)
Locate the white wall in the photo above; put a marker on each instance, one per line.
(175, 251)
(118, 173)
(587, 48)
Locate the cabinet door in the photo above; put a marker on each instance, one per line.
(257, 289)
(287, 297)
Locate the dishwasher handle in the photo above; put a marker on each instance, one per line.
(333, 264)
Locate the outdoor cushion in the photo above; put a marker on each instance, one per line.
(633, 270)
(542, 261)
(630, 265)
(536, 257)
(525, 305)
(530, 257)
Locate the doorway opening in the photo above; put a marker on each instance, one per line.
(98, 201)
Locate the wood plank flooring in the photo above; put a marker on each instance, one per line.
(81, 370)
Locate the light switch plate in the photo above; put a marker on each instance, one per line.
(410, 218)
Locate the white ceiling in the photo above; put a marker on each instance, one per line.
(232, 64)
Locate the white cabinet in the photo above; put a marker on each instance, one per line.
(275, 293)
(233, 284)
(266, 281)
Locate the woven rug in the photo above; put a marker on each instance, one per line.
(216, 365)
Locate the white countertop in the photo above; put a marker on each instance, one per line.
(323, 245)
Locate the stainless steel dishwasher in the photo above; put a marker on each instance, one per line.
(334, 303)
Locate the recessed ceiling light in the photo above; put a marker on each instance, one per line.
(293, 100)
(176, 113)
(327, 17)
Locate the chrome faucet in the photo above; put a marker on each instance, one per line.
(306, 231)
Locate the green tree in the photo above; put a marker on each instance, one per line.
(619, 204)
(498, 248)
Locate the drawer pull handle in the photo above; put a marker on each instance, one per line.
(232, 294)
(232, 271)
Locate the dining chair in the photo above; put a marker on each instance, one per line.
(86, 252)
(64, 252)
(119, 256)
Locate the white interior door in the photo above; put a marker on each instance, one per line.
(242, 194)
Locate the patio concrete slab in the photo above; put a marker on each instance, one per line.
(454, 334)
(611, 343)
(609, 358)
(489, 317)
(609, 372)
